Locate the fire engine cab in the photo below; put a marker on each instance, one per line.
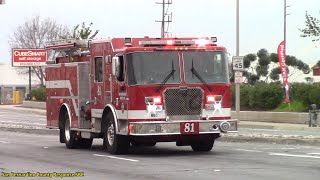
(139, 91)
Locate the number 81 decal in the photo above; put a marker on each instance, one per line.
(189, 128)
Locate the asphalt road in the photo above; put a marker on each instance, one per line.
(21, 119)
(34, 153)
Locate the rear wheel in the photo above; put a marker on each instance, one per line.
(114, 143)
(70, 137)
(202, 146)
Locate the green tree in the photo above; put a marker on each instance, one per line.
(312, 28)
(264, 67)
(85, 32)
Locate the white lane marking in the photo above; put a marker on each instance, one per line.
(217, 170)
(271, 130)
(45, 147)
(248, 150)
(14, 122)
(114, 157)
(4, 142)
(314, 153)
(280, 148)
(294, 155)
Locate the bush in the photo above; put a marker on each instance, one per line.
(261, 96)
(265, 96)
(314, 95)
(39, 94)
(300, 92)
(244, 95)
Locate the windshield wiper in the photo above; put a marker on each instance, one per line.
(167, 78)
(195, 72)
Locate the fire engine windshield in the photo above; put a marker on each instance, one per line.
(153, 68)
(211, 67)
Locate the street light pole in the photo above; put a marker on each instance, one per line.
(237, 54)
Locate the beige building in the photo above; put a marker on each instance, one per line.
(11, 81)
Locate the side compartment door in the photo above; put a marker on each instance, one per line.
(97, 85)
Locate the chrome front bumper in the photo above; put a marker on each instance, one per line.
(183, 127)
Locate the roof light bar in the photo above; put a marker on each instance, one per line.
(199, 42)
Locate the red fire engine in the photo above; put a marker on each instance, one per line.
(139, 91)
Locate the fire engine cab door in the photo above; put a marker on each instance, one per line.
(97, 86)
(119, 89)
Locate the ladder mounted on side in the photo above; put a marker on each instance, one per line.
(69, 47)
(68, 44)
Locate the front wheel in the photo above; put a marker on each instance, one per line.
(114, 143)
(202, 146)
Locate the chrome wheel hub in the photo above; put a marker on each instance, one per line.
(67, 130)
(110, 134)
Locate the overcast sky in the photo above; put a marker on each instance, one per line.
(261, 21)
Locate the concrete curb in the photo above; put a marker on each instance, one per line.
(271, 140)
(273, 117)
(31, 131)
(34, 104)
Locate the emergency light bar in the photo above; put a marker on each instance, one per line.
(199, 42)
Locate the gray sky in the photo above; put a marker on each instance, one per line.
(261, 21)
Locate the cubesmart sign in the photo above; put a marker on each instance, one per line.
(29, 57)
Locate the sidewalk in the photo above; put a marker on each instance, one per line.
(248, 130)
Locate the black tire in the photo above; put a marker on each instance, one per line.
(114, 143)
(68, 135)
(84, 143)
(138, 144)
(202, 146)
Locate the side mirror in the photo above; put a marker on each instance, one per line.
(108, 59)
(115, 66)
(230, 69)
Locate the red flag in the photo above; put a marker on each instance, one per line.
(283, 67)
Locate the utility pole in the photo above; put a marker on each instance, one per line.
(29, 98)
(237, 54)
(166, 18)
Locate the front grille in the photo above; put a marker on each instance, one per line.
(183, 102)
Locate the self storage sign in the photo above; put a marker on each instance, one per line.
(29, 57)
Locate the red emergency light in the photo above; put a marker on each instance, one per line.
(197, 42)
